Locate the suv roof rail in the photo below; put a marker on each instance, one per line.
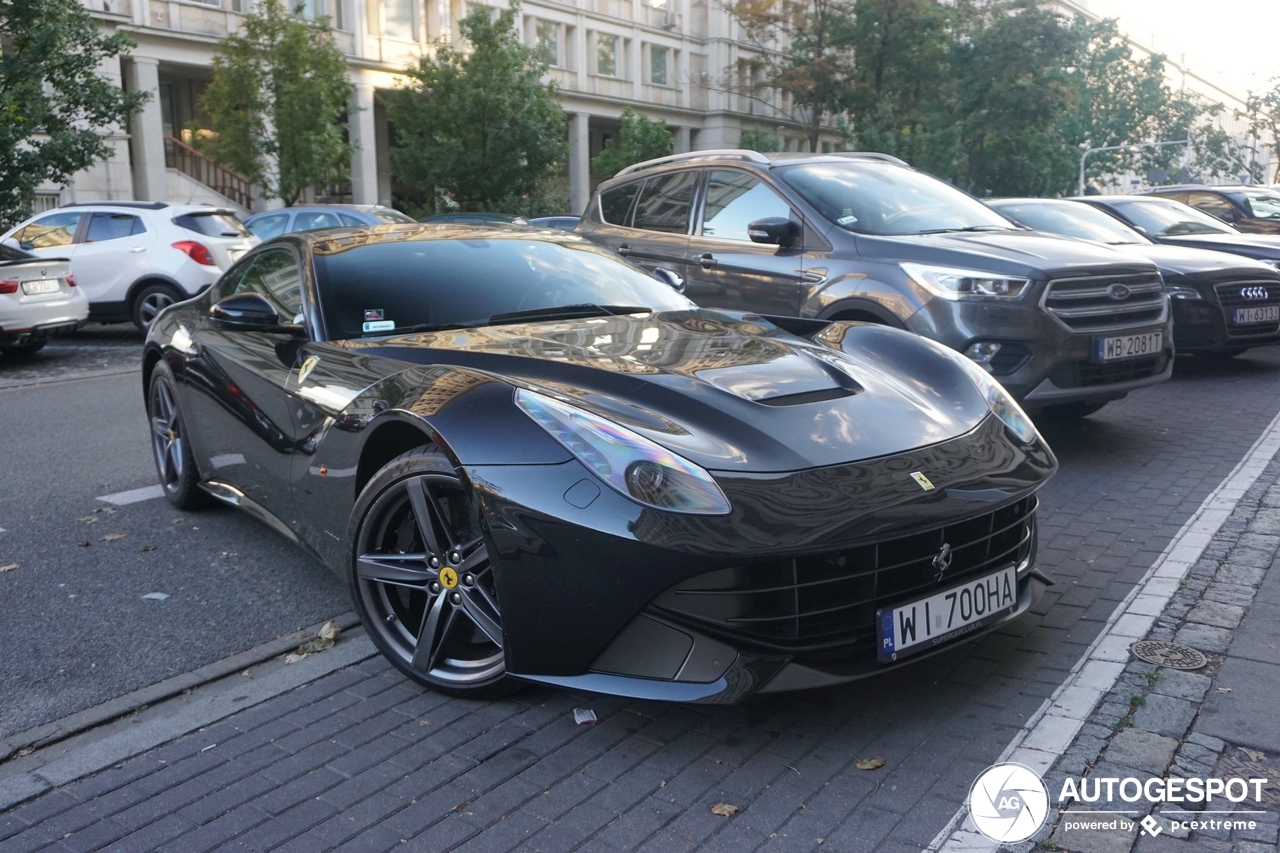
(144, 205)
(870, 155)
(739, 153)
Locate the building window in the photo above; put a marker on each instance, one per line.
(607, 55)
(546, 44)
(311, 9)
(659, 62)
(398, 19)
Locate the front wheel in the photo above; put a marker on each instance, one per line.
(422, 580)
(170, 447)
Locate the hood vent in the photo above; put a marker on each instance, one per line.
(820, 396)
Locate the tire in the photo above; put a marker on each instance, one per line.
(1071, 411)
(150, 301)
(426, 593)
(170, 449)
(20, 350)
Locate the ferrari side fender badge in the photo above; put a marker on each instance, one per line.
(307, 366)
(923, 481)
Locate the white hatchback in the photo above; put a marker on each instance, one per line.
(133, 259)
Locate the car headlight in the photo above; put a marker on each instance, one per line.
(631, 464)
(954, 284)
(1177, 291)
(1000, 401)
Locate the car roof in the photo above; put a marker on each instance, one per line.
(360, 235)
(175, 209)
(747, 157)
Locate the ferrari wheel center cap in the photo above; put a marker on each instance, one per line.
(172, 435)
(448, 578)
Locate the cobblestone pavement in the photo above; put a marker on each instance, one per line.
(95, 350)
(364, 761)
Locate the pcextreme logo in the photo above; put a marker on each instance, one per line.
(1008, 803)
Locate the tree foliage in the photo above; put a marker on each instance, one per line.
(481, 127)
(757, 140)
(275, 105)
(54, 105)
(638, 140)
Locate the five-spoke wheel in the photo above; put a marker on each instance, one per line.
(175, 463)
(422, 579)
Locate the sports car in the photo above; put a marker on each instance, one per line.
(534, 461)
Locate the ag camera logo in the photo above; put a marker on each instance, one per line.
(1008, 803)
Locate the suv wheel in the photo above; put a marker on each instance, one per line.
(150, 301)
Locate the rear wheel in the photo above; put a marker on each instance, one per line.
(23, 349)
(150, 301)
(422, 580)
(175, 463)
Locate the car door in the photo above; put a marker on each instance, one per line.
(659, 233)
(112, 255)
(726, 269)
(235, 386)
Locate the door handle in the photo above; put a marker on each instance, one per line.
(138, 249)
(624, 250)
(707, 261)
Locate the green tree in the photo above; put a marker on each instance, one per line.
(54, 105)
(757, 140)
(639, 139)
(1263, 115)
(481, 127)
(276, 102)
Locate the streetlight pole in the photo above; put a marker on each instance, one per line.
(1086, 154)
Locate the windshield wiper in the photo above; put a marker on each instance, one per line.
(564, 312)
(425, 327)
(969, 228)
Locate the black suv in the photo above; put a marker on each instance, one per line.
(1061, 323)
(1254, 210)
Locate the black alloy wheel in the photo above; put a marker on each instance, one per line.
(175, 463)
(150, 301)
(422, 580)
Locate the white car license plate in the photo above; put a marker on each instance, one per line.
(1127, 346)
(41, 285)
(920, 625)
(1261, 314)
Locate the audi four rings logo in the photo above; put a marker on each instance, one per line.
(1254, 292)
(1118, 291)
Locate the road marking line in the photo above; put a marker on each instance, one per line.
(134, 496)
(1051, 729)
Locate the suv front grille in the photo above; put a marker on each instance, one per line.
(1087, 374)
(1095, 303)
(830, 600)
(1232, 296)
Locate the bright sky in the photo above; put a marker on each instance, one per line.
(1235, 38)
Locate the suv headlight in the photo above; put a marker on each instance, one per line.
(1000, 401)
(631, 464)
(965, 284)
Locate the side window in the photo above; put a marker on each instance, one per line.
(270, 226)
(273, 274)
(615, 205)
(734, 201)
(348, 219)
(1212, 204)
(314, 220)
(58, 229)
(112, 226)
(665, 202)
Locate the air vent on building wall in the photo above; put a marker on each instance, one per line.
(670, 19)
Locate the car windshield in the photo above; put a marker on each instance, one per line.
(369, 289)
(213, 224)
(1169, 218)
(1263, 205)
(1071, 219)
(880, 198)
(389, 215)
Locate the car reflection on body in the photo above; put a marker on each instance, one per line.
(533, 461)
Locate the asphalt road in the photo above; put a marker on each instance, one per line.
(76, 630)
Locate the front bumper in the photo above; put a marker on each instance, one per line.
(1203, 325)
(584, 589)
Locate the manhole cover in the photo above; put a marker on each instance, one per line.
(1173, 655)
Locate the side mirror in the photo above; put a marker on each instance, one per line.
(671, 278)
(246, 311)
(774, 230)
(12, 243)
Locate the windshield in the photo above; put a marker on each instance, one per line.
(1170, 218)
(371, 289)
(1263, 205)
(1072, 219)
(389, 215)
(880, 198)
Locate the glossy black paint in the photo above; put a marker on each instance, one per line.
(812, 436)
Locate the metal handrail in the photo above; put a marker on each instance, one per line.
(187, 160)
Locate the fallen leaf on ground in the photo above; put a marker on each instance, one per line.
(869, 763)
(583, 715)
(146, 548)
(328, 635)
(83, 544)
(113, 537)
(156, 596)
(724, 809)
(9, 567)
(1224, 689)
(178, 520)
(90, 519)
(1253, 754)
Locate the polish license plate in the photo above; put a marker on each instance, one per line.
(41, 285)
(920, 625)
(1261, 314)
(1127, 346)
